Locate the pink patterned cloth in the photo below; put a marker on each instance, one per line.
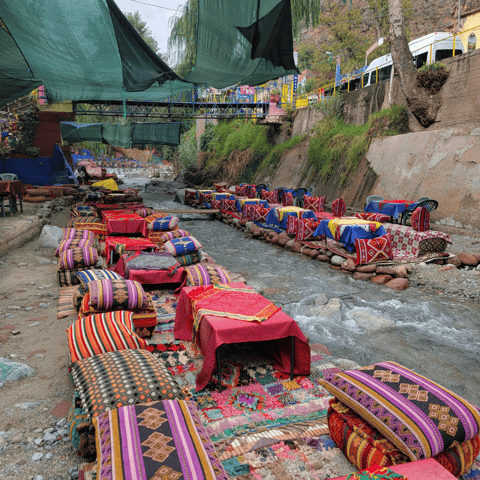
(406, 240)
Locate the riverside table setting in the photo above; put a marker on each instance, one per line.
(235, 313)
(392, 208)
(278, 216)
(122, 222)
(345, 230)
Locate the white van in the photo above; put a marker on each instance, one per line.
(441, 47)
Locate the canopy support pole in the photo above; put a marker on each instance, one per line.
(124, 105)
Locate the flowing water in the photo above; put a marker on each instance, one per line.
(364, 322)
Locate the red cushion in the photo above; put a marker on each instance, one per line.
(270, 197)
(305, 229)
(228, 206)
(287, 199)
(338, 207)
(373, 249)
(421, 219)
(240, 191)
(373, 217)
(292, 225)
(317, 204)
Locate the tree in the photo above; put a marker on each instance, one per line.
(420, 103)
(141, 27)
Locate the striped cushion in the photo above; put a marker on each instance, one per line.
(161, 237)
(154, 216)
(71, 233)
(420, 219)
(100, 333)
(182, 246)
(77, 257)
(418, 416)
(87, 276)
(144, 212)
(74, 243)
(74, 222)
(107, 295)
(163, 224)
(198, 275)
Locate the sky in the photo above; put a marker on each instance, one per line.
(155, 17)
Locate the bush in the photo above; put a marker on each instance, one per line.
(187, 150)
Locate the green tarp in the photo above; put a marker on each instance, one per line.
(246, 42)
(86, 50)
(122, 135)
(15, 78)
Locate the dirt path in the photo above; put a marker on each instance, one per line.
(34, 440)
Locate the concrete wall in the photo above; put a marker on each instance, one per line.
(440, 164)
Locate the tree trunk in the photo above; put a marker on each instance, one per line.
(420, 103)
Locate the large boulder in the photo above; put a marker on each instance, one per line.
(397, 284)
(50, 237)
(370, 268)
(337, 260)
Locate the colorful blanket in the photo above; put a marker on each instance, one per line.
(151, 261)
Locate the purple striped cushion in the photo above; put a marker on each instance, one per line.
(78, 257)
(198, 275)
(108, 295)
(420, 417)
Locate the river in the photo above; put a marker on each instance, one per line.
(438, 338)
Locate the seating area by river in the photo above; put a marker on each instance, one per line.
(182, 366)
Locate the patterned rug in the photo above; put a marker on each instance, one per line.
(165, 303)
(65, 302)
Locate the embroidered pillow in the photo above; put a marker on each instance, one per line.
(292, 225)
(77, 257)
(74, 243)
(420, 219)
(161, 237)
(287, 199)
(373, 217)
(87, 276)
(305, 229)
(259, 214)
(198, 275)
(241, 191)
(251, 191)
(217, 204)
(108, 295)
(373, 249)
(190, 195)
(365, 447)
(317, 204)
(144, 212)
(182, 246)
(338, 207)
(101, 333)
(154, 216)
(419, 417)
(125, 377)
(228, 206)
(164, 224)
(270, 197)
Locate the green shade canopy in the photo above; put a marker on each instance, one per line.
(15, 78)
(85, 50)
(246, 42)
(122, 135)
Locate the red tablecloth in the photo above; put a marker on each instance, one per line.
(12, 187)
(150, 277)
(125, 223)
(216, 331)
(131, 244)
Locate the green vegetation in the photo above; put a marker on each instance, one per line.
(273, 158)
(333, 141)
(187, 150)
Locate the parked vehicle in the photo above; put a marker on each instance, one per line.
(433, 47)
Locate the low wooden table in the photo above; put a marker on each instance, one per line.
(290, 347)
(10, 189)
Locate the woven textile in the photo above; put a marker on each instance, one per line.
(251, 191)
(67, 278)
(74, 222)
(241, 191)
(258, 213)
(365, 447)
(108, 295)
(338, 207)
(124, 377)
(418, 416)
(71, 233)
(199, 194)
(99, 230)
(228, 206)
(305, 229)
(154, 216)
(198, 275)
(420, 219)
(190, 259)
(373, 249)
(376, 473)
(247, 211)
(101, 333)
(270, 197)
(190, 195)
(182, 246)
(374, 217)
(292, 225)
(75, 419)
(151, 261)
(407, 242)
(74, 243)
(77, 257)
(164, 224)
(317, 204)
(161, 237)
(222, 196)
(217, 204)
(287, 199)
(159, 441)
(87, 276)
(144, 212)
(324, 216)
